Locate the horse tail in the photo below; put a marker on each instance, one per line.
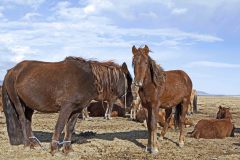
(177, 114)
(13, 124)
(195, 103)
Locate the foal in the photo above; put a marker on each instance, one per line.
(215, 128)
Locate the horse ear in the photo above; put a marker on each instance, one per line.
(124, 67)
(134, 50)
(220, 107)
(146, 50)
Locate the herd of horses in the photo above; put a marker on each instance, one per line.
(70, 86)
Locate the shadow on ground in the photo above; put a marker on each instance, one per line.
(84, 137)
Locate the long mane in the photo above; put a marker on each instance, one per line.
(157, 73)
(107, 75)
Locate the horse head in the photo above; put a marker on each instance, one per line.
(223, 113)
(128, 92)
(140, 63)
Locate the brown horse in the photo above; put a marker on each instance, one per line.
(65, 87)
(215, 128)
(193, 102)
(160, 89)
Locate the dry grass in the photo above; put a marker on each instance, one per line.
(123, 139)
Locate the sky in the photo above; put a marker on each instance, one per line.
(200, 37)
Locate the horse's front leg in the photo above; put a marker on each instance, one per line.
(63, 117)
(152, 146)
(67, 147)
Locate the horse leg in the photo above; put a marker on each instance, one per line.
(152, 146)
(168, 116)
(85, 114)
(69, 128)
(107, 110)
(184, 109)
(64, 114)
(21, 113)
(131, 113)
(110, 106)
(28, 114)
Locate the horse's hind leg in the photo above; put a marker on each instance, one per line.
(63, 117)
(184, 109)
(28, 114)
(69, 128)
(21, 113)
(168, 117)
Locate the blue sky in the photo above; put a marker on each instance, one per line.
(200, 37)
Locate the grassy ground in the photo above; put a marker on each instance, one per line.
(121, 138)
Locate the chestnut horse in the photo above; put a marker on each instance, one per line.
(65, 87)
(215, 128)
(160, 89)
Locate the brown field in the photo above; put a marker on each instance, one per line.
(121, 138)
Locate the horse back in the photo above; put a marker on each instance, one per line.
(178, 85)
(41, 84)
(214, 128)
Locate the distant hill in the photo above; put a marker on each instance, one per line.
(201, 93)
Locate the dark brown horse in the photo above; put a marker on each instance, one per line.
(65, 87)
(160, 89)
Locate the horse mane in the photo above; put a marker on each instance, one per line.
(106, 75)
(157, 73)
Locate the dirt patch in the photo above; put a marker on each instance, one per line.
(121, 138)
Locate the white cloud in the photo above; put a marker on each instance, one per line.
(89, 9)
(30, 16)
(212, 64)
(32, 3)
(179, 11)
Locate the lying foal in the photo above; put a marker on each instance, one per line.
(215, 128)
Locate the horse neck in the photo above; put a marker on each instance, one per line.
(228, 116)
(106, 80)
(148, 78)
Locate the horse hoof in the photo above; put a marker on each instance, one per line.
(151, 150)
(54, 148)
(181, 144)
(67, 149)
(161, 138)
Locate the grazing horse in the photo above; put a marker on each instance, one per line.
(105, 93)
(215, 128)
(65, 87)
(160, 89)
